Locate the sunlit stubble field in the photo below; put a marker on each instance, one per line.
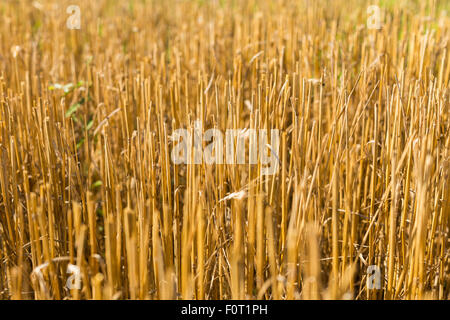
(92, 205)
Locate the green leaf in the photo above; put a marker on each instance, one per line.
(89, 125)
(97, 184)
(72, 109)
(80, 143)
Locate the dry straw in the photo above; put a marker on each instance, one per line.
(87, 179)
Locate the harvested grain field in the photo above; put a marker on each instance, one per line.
(224, 149)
